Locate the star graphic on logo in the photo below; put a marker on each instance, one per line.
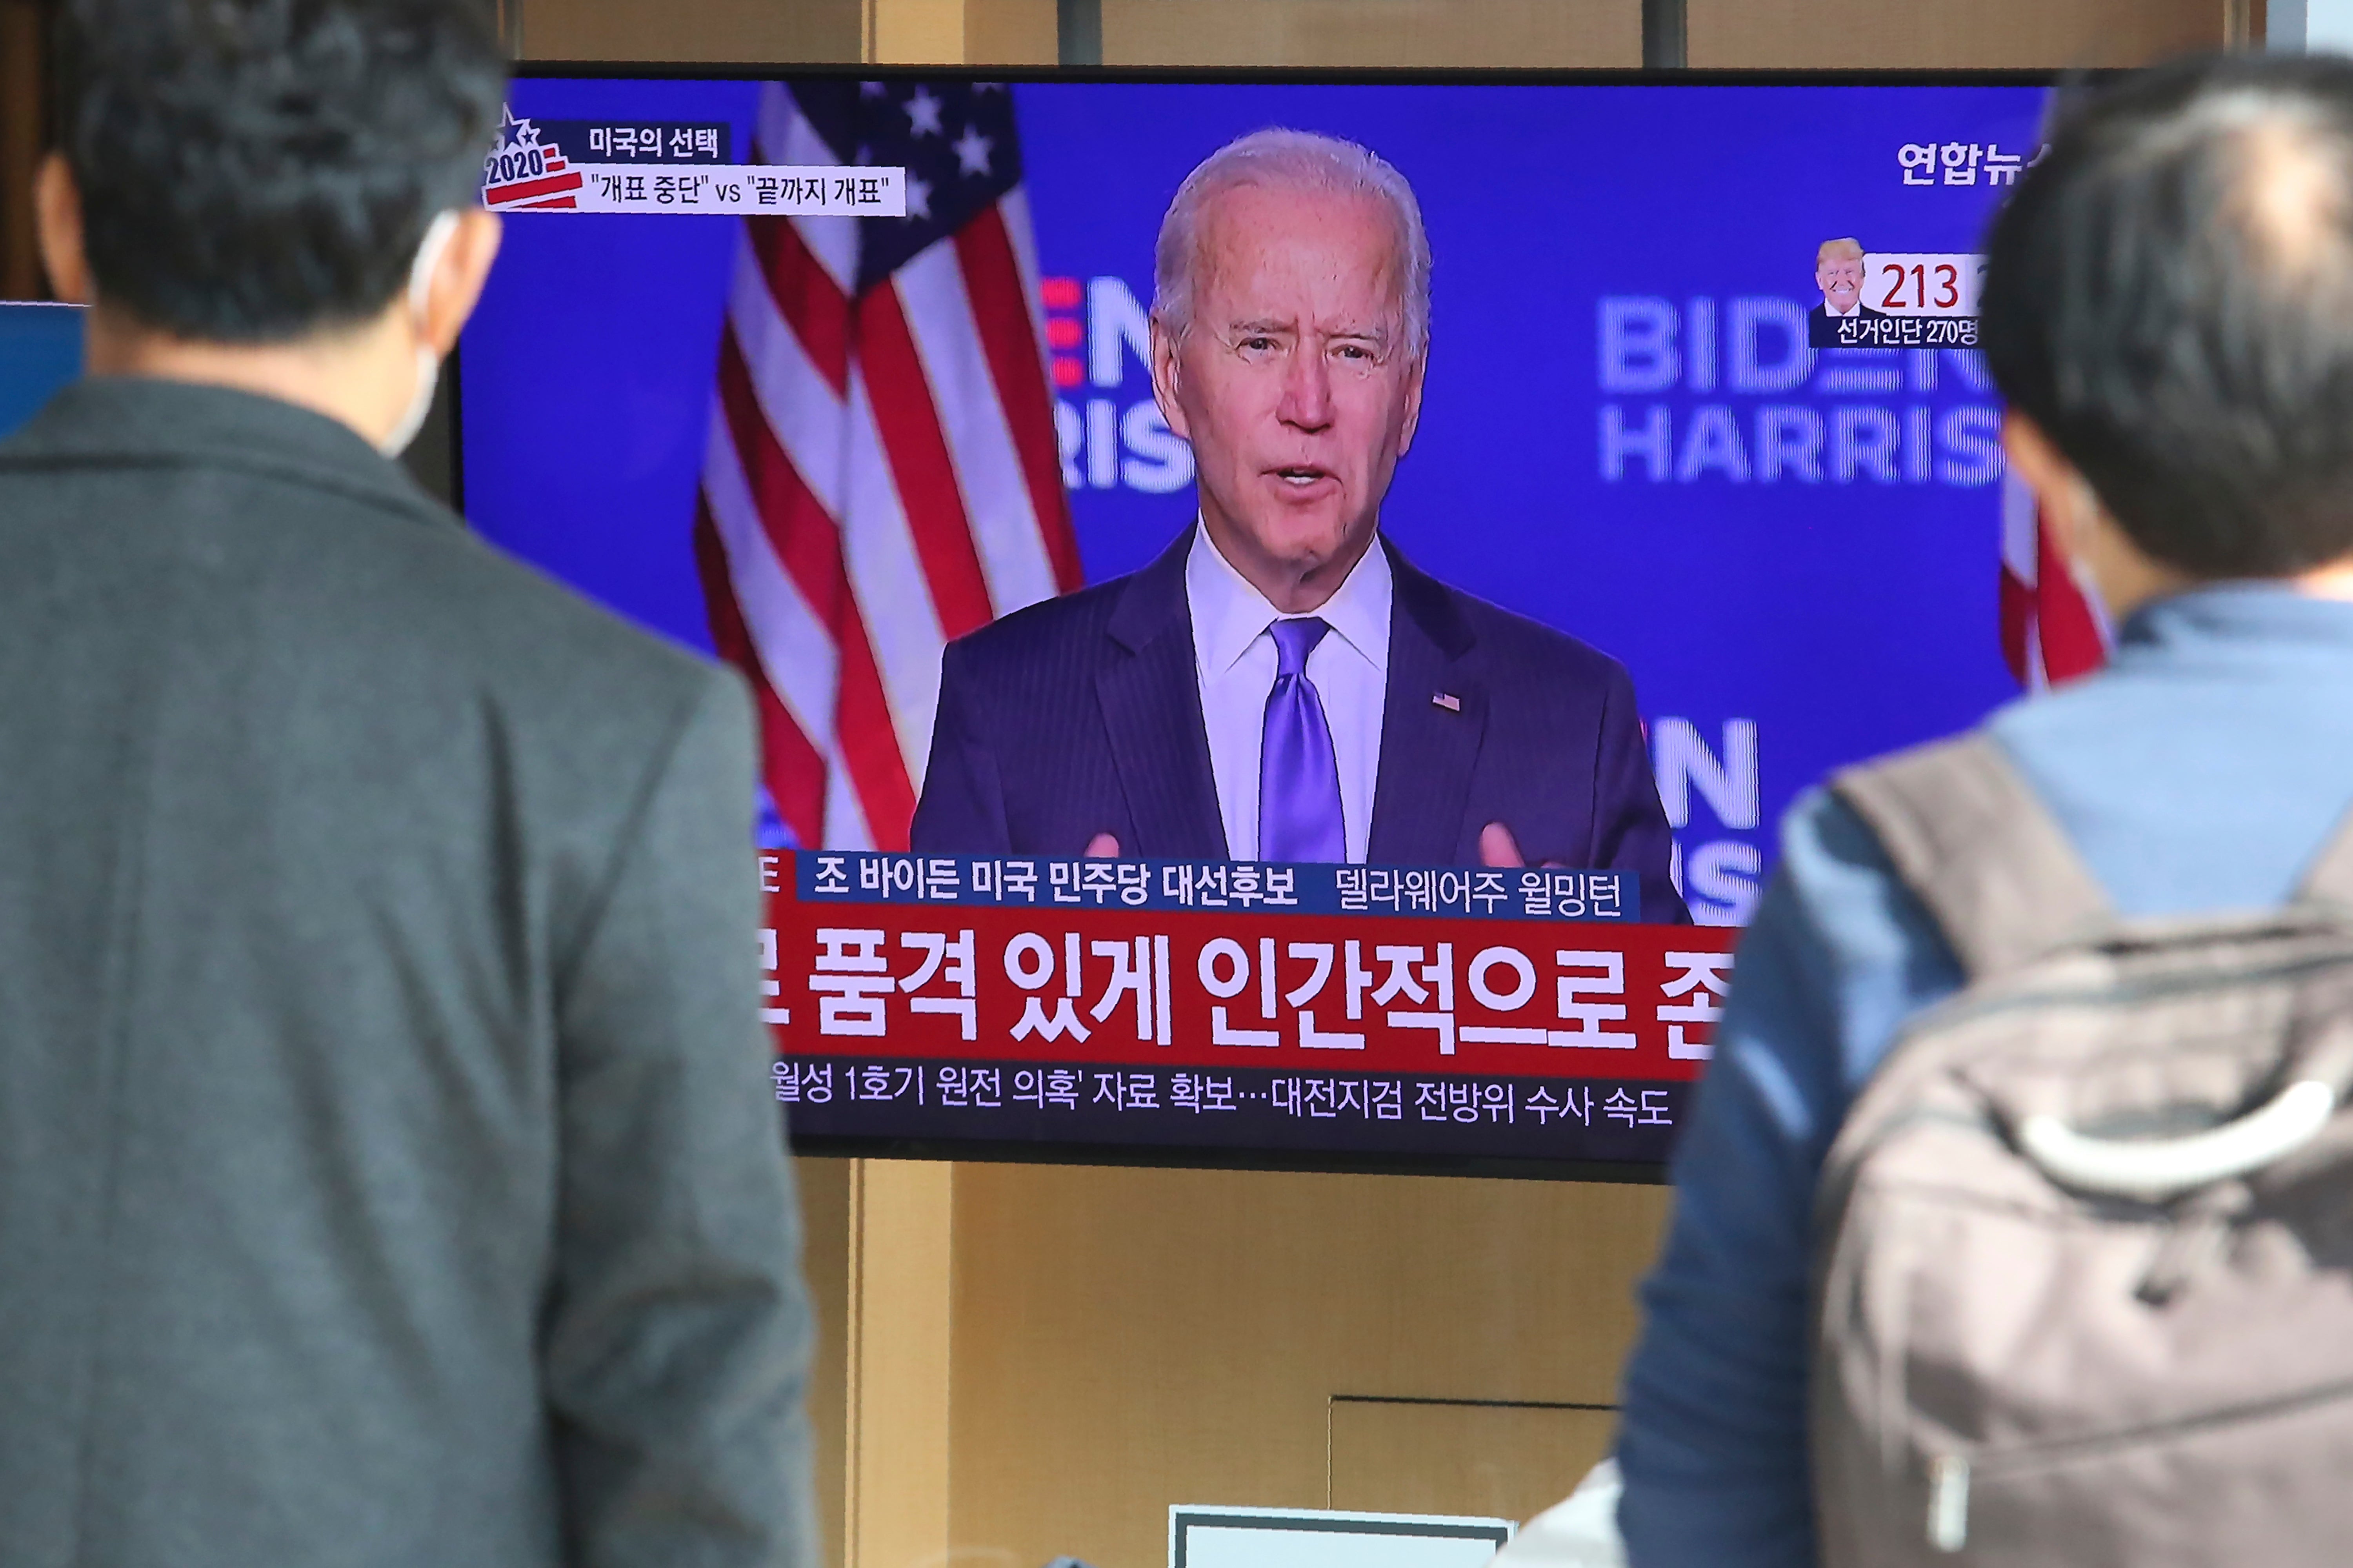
(517, 134)
(870, 89)
(919, 198)
(923, 114)
(972, 150)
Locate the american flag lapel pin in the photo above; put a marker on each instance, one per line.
(1448, 701)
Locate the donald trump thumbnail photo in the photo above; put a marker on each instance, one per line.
(1838, 273)
(1281, 684)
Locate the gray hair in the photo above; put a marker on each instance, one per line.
(1295, 159)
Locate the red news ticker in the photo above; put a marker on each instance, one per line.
(1313, 991)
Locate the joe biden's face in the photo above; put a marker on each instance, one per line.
(1293, 383)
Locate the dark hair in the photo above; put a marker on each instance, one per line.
(2169, 298)
(254, 170)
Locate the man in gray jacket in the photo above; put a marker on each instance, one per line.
(387, 1173)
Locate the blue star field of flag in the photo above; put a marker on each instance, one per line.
(955, 139)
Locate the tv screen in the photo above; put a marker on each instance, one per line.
(1689, 491)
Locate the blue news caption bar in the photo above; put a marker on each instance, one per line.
(865, 876)
(633, 141)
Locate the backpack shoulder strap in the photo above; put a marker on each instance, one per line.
(1971, 841)
(2329, 878)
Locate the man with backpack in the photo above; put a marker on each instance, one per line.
(2015, 1223)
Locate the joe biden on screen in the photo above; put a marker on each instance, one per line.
(1281, 684)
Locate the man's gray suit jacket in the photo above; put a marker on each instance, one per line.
(388, 1172)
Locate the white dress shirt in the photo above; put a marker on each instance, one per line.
(1235, 659)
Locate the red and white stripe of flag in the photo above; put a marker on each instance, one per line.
(880, 477)
(2050, 631)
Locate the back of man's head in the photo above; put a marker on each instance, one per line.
(2169, 298)
(255, 170)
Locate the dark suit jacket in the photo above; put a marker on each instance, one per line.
(388, 1173)
(1082, 715)
(1822, 327)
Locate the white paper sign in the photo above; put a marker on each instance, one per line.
(1201, 1536)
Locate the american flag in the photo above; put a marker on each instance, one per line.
(882, 473)
(2049, 631)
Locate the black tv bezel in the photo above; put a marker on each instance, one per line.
(1184, 1157)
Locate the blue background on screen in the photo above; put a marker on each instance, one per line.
(1839, 596)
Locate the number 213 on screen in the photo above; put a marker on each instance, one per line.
(1920, 284)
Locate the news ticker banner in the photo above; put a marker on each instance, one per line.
(1264, 1110)
(841, 876)
(1375, 1010)
(529, 170)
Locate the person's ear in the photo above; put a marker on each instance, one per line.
(1413, 378)
(1165, 376)
(58, 226)
(458, 277)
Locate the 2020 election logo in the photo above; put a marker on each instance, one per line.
(669, 172)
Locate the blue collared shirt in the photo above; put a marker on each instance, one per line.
(2199, 772)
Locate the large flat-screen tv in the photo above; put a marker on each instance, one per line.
(1123, 795)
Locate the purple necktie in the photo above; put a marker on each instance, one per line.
(1298, 780)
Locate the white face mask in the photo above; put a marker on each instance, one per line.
(2086, 584)
(429, 364)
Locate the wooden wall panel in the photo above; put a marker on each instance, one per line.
(825, 1261)
(916, 32)
(1022, 1361)
(1010, 32)
(1493, 1461)
(1128, 1339)
(1723, 33)
(24, 116)
(2055, 34)
(721, 31)
(1373, 32)
(752, 32)
(899, 1365)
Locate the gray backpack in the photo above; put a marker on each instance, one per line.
(2084, 1277)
